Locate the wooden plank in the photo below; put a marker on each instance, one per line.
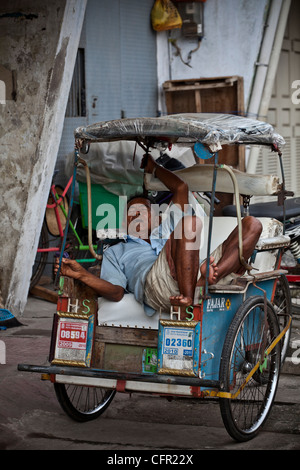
(202, 80)
(198, 101)
(119, 357)
(197, 86)
(130, 336)
(122, 349)
(46, 294)
(123, 358)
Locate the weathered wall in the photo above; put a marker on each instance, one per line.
(38, 45)
(233, 31)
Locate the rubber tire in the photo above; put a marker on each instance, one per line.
(73, 410)
(283, 307)
(41, 258)
(264, 384)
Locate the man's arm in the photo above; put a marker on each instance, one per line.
(175, 185)
(103, 288)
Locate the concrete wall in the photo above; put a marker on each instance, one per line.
(38, 46)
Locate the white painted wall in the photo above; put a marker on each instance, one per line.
(233, 31)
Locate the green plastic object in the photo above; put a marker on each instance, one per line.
(103, 216)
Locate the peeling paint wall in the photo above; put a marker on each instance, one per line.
(36, 49)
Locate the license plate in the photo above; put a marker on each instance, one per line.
(178, 342)
(72, 334)
(178, 347)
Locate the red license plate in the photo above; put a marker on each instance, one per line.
(72, 335)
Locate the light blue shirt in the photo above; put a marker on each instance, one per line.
(127, 264)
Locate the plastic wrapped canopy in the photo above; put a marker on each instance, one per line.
(116, 165)
(213, 130)
(114, 157)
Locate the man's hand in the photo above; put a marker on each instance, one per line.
(176, 186)
(103, 288)
(70, 268)
(148, 163)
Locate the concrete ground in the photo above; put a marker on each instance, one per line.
(31, 418)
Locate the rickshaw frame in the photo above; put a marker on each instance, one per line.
(148, 132)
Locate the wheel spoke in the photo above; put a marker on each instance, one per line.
(83, 403)
(248, 338)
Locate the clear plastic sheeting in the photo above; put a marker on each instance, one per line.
(116, 165)
(213, 130)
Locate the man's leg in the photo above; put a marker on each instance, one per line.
(230, 262)
(183, 256)
(185, 244)
(182, 251)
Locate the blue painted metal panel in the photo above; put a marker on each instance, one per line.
(219, 311)
(218, 314)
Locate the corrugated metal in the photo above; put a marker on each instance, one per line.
(138, 59)
(120, 62)
(120, 59)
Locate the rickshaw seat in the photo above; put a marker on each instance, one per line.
(113, 313)
(128, 313)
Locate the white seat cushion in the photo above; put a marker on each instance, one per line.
(127, 313)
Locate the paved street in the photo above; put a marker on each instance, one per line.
(31, 418)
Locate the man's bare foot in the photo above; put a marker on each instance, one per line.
(212, 272)
(182, 302)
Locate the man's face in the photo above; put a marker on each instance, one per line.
(139, 218)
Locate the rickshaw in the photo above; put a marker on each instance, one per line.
(232, 344)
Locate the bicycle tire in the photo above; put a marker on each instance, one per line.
(283, 308)
(244, 415)
(82, 403)
(40, 258)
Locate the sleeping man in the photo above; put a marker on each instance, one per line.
(159, 262)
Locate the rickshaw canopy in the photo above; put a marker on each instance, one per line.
(115, 159)
(213, 130)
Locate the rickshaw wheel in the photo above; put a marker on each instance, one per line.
(283, 308)
(249, 335)
(41, 257)
(83, 403)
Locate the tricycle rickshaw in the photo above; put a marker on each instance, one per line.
(233, 342)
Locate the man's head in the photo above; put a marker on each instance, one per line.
(140, 217)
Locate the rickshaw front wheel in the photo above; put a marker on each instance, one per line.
(250, 395)
(83, 403)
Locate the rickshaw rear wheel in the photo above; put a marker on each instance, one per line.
(248, 337)
(83, 403)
